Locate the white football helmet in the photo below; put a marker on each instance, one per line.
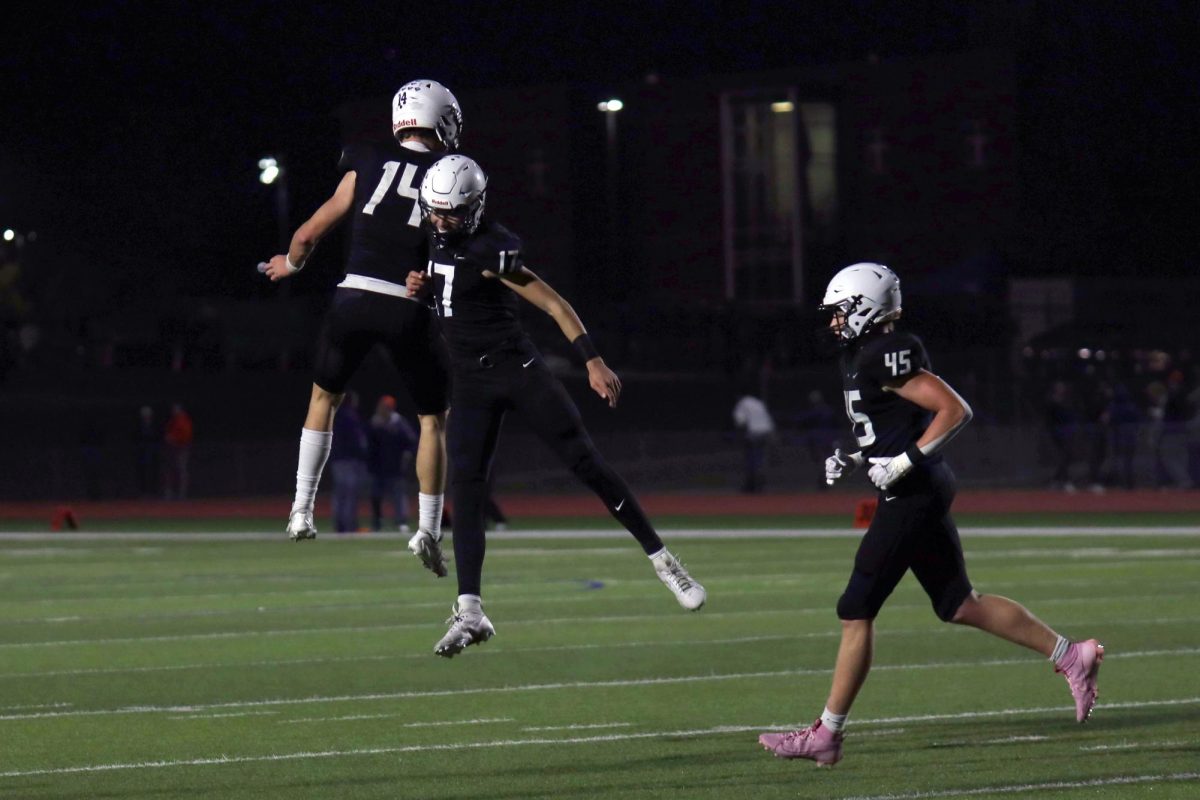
(454, 185)
(863, 295)
(427, 104)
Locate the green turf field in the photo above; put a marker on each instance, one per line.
(264, 669)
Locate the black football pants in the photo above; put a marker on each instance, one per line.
(515, 378)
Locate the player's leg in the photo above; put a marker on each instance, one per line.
(1078, 662)
(939, 565)
(343, 343)
(552, 415)
(879, 564)
(419, 353)
(474, 431)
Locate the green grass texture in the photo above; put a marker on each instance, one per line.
(188, 667)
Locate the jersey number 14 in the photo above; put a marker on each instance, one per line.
(408, 187)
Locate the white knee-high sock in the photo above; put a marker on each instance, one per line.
(429, 512)
(314, 451)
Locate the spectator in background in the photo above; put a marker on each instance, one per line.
(751, 416)
(178, 439)
(1061, 423)
(393, 444)
(149, 471)
(1096, 428)
(1124, 417)
(818, 433)
(348, 459)
(1193, 428)
(1169, 409)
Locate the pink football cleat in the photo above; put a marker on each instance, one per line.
(817, 743)
(1080, 665)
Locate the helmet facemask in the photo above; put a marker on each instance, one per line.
(468, 217)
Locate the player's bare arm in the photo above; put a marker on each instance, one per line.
(530, 287)
(950, 411)
(315, 228)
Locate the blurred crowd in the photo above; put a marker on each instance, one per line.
(1099, 413)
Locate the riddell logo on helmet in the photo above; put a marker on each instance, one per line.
(407, 123)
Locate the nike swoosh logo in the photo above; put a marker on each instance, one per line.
(618, 506)
(887, 499)
(530, 361)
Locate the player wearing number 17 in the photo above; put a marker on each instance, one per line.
(378, 193)
(475, 278)
(903, 415)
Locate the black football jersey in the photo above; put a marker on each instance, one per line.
(387, 241)
(883, 422)
(477, 313)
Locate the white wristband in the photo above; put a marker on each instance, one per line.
(291, 267)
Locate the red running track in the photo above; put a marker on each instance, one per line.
(998, 501)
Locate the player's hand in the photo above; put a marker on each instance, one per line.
(841, 464)
(277, 268)
(885, 472)
(416, 282)
(604, 381)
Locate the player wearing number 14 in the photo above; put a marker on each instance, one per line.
(903, 415)
(378, 193)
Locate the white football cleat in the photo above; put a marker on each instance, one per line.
(300, 526)
(425, 546)
(467, 627)
(687, 590)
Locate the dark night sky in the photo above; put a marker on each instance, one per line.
(131, 131)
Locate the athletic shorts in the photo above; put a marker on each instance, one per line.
(912, 530)
(359, 320)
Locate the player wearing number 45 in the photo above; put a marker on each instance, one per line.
(475, 277)
(378, 192)
(903, 415)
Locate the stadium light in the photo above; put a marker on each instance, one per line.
(269, 170)
(609, 106)
(9, 234)
(783, 107)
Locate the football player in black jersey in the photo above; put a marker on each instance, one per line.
(475, 277)
(902, 416)
(378, 191)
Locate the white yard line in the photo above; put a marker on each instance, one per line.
(500, 650)
(224, 716)
(1034, 788)
(581, 727)
(445, 723)
(614, 737)
(538, 687)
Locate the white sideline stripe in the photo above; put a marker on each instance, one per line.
(604, 533)
(39, 705)
(1035, 787)
(538, 687)
(405, 725)
(614, 737)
